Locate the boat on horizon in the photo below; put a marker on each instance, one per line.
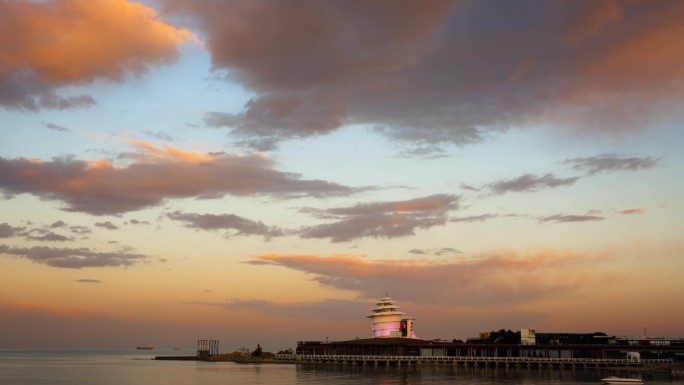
(621, 380)
(148, 347)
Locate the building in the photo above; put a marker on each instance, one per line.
(388, 322)
(528, 337)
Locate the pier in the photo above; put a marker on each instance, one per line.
(515, 362)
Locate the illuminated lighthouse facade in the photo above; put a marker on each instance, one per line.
(388, 321)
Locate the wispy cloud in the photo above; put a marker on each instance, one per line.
(609, 162)
(571, 218)
(74, 258)
(56, 127)
(242, 226)
(530, 182)
(474, 218)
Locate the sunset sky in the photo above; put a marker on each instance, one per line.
(265, 171)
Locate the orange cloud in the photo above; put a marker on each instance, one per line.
(50, 44)
(502, 278)
(632, 211)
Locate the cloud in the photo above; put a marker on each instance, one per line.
(80, 230)
(441, 74)
(9, 231)
(571, 218)
(530, 182)
(382, 219)
(106, 225)
(242, 226)
(499, 278)
(591, 18)
(73, 258)
(58, 224)
(327, 309)
(474, 218)
(101, 188)
(608, 162)
(633, 211)
(438, 252)
(137, 222)
(42, 234)
(56, 127)
(161, 135)
(107, 39)
(46, 236)
(86, 280)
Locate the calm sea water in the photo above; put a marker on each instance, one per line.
(124, 367)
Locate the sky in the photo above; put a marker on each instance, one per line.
(264, 172)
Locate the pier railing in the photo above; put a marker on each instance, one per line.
(469, 359)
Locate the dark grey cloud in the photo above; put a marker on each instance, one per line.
(571, 218)
(530, 182)
(9, 231)
(73, 258)
(242, 226)
(107, 225)
(58, 224)
(456, 72)
(611, 162)
(382, 219)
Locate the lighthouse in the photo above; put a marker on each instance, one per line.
(388, 321)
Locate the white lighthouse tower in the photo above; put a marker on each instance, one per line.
(388, 321)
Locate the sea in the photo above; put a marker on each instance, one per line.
(138, 367)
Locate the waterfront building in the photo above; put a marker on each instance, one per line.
(388, 322)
